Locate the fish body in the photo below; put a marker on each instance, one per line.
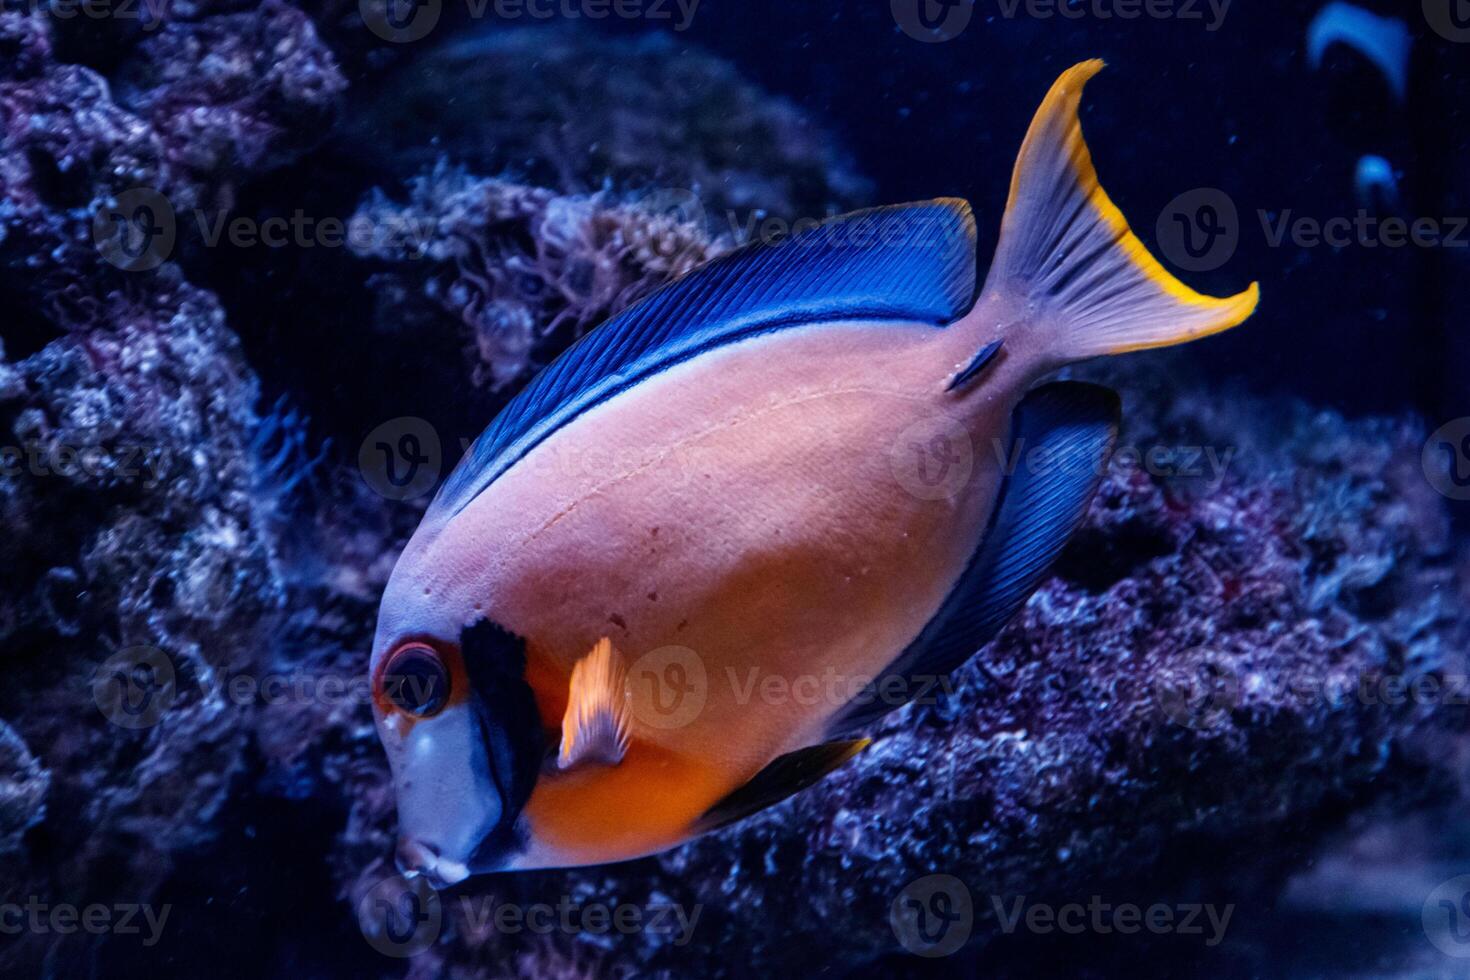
(747, 530)
(798, 463)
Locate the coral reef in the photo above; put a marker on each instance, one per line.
(626, 113)
(623, 129)
(134, 538)
(522, 270)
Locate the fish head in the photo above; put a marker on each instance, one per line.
(462, 734)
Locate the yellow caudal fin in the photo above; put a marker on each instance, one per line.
(1066, 250)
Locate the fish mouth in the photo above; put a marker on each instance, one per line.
(416, 859)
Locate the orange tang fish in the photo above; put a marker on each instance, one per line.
(747, 516)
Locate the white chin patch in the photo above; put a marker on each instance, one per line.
(450, 872)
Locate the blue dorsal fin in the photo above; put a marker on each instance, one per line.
(909, 262)
(1062, 435)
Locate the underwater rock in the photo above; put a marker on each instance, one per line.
(518, 272)
(570, 109)
(136, 573)
(197, 108)
(138, 564)
(23, 784)
(236, 94)
(680, 159)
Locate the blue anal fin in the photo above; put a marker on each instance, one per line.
(1063, 434)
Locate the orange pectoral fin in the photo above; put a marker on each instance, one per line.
(598, 720)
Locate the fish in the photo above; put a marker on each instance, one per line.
(724, 532)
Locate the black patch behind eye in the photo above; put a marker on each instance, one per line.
(495, 662)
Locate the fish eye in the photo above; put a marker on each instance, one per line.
(416, 680)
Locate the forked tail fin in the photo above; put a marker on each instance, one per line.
(1067, 252)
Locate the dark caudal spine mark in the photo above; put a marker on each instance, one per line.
(980, 362)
